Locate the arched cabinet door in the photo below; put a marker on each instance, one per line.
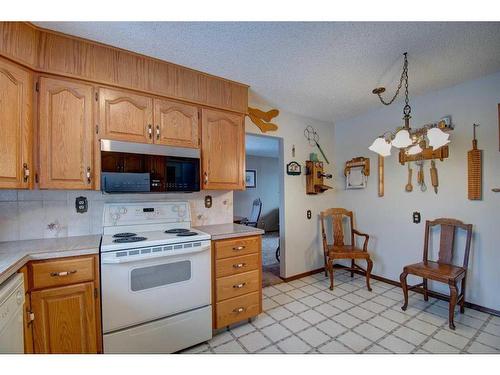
(176, 124)
(125, 116)
(66, 134)
(15, 126)
(222, 150)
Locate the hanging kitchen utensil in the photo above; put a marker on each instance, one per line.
(409, 186)
(380, 176)
(420, 176)
(474, 166)
(434, 176)
(313, 138)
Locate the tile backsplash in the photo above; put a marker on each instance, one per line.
(31, 214)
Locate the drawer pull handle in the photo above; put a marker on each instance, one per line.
(239, 286)
(239, 310)
(239, 265)
(63, 273)
(238, 248)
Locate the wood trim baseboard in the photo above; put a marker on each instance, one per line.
(431, 293)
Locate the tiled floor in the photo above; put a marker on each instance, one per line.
(304, 316)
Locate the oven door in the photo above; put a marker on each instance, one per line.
(136, 291)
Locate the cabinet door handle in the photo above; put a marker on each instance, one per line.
(26, 172)
(239, 310)
(239, 265)
(62, 273)
(239, 286)
(150, 131)
(89, 177)
(238, 248)
(157, 131)
(206, 177)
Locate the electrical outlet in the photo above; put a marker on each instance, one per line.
(416, 217)
(208, 201)
(81, 205)
(309, 214)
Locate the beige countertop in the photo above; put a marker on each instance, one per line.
(15, 254)
(221, 231)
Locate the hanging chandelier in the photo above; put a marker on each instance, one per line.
(412, 141)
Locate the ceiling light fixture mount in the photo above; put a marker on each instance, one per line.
(412, 141)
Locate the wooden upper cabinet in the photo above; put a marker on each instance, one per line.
(176, 124)
(65, 319)
(15, 126)
(125, 116)
(65, 134)
(223, 150)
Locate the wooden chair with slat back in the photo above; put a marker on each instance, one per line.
(441, 270)
(339, 250)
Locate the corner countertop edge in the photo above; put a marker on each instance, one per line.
(230, 230)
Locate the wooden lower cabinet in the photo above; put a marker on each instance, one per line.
(237, 280)
(65, 317)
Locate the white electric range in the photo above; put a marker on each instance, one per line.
(155, 278)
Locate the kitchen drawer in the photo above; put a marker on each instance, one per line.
(236, 285)
(59, 272)
(235, 265)
(236, 309)
(237, 246)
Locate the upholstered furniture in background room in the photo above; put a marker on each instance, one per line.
(339, 250)
(442, 270)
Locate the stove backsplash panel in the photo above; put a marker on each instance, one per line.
(32, 214)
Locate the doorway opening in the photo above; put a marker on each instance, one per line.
(261, 204)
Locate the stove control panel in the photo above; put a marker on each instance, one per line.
(145, 212)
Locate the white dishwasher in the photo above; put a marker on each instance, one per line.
(11, 315)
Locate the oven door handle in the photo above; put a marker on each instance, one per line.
(106, 259)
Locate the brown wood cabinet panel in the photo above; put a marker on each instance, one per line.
(236, 285)
(236, 309)
(232, 247)
(125, 116)
(15, 126)
(65, 134)
(19, 41)
(61, 272)
(223, 161)
(176, 124)
(27, 323)
(235, 265)
(65, 319)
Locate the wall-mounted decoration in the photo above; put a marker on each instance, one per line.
(263, 119)
(315, 176)
(434, 176)
(474, 170)
(293, 168)
(312, 137)
(380, 176)
(250, 178)
(427, 153)
(356, 172)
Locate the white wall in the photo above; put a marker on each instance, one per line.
(395, 240)
(26, 214)
(301, 241)
(268, 190)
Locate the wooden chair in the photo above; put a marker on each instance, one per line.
(339, 250)
(253, 221)
(443, 270)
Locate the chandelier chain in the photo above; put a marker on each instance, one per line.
(403, 78)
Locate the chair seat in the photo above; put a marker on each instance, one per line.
(346, 252)
(435, 271)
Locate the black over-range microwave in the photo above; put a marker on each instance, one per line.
(128, 167)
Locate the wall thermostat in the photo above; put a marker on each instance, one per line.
(81, 205)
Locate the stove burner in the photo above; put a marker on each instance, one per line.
(186, 234)
(129, 239)
(123, 235)
(177, 230)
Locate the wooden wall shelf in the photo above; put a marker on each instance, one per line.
(427, 154)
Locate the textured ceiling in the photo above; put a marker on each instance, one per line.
(322, 70)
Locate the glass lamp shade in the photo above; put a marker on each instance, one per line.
(402, 139)
(414, 150)
(381, 147)
(437, 138)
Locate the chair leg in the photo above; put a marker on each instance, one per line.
(330, 269)
(352, 268)
(369, 266)
(462, 302)
(426, 291)
(404, 286)
(453, 303)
